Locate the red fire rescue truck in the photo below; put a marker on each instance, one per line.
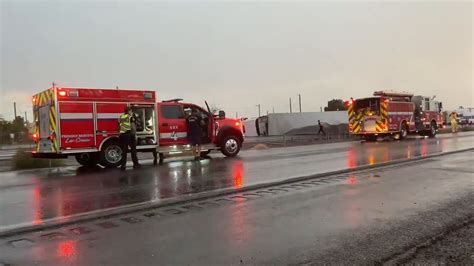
(396, 114)
(84, 122)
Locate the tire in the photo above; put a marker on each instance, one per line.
(87, 159)
(111, 154)
(403, 132)
(230, 146)
(433, 130)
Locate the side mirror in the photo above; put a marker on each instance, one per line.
(221, 114)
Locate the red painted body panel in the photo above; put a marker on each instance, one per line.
(107, 120)
(399, 112)
(77, 125)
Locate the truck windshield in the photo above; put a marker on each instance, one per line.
(368, 105)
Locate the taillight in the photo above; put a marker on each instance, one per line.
(35, 137)
(237, 124)
(62, 93)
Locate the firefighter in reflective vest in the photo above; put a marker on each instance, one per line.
(127, 137)
(454, 122)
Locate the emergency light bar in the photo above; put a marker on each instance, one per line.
(173, 100)
(147, 95)
(393, 93)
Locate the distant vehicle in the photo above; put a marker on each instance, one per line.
(465, 115)
(83, 122)
(394, 114)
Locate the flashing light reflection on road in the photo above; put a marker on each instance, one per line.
(67, 249)
(352, 180)
(36, 206)
(238, 174)
(371, 159)
(409, 152)
(424, 149)
(351, 158)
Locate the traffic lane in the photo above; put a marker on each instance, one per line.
(358, 220)
(30, 198)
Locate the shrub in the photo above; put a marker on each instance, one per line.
(23, 160)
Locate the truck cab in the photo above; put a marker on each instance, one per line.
(218, 132)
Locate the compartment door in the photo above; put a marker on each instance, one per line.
(77, 125)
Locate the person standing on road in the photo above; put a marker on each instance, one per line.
(454, 122)
(127, 137)
(194, 122)
(321, 128)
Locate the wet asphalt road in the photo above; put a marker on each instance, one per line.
(356, 218)
(30, 197)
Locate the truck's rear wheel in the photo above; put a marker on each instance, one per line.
(230, 146)
(88, 159)
(403, 132)
(111, 154)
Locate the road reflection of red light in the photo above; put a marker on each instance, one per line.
(424, 149)
(351, 158)
(409, 152)
(36, 206)
(238, 174)
(352, 180)
(67, 249)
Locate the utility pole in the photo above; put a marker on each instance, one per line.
(291, 111)
(299, 100)
(273, 108)
(26, 119)
(258, 105)
(267, 112)
(321, 109)
(14, 110)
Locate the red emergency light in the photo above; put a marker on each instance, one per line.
(35, 137)
(62, 93)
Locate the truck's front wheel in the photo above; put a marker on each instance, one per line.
(230, 146)
(111, 154)
(88, 159)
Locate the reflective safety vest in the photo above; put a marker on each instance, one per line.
(125, 123)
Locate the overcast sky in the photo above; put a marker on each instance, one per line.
(239, 54)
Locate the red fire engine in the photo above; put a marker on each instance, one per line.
(84, 122)
(396, 114)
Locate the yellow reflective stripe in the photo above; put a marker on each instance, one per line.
(356, 128)
(52, 122)
(350, 111)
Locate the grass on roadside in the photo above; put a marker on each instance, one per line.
(23, 160)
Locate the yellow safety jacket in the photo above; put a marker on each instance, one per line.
(125, 123)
